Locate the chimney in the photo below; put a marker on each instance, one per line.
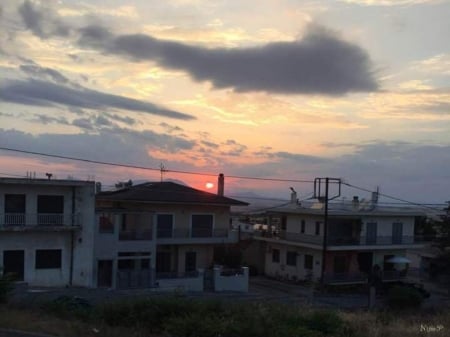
(220, 184)
(355, 202)
(293, 196)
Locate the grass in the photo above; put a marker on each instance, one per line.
(179, 316)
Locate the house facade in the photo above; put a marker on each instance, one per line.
(360, 241)
(46, 231)
(160, 234)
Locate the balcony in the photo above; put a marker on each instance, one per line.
(38, 221)
(185, 235)
(141, 235)
(340, 241)
(345, 278)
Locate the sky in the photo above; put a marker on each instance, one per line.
(350, 89)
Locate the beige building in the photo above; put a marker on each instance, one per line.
(46, 231)
(160, 234)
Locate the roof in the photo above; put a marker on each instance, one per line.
(45, 182)
(167, 192)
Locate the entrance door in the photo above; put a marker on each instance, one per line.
(371, 233)
(365, 262)
(397, 233)
(104, 273)
(190, 262)
(13, 263)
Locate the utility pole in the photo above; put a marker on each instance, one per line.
(318, 182)
(162, 170)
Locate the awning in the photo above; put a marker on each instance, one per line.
(398, 259)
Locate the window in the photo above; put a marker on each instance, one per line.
(50, 210)
(317, 228)
(14, 209)
(276, 255)
(106, 223)
(48, 259)
(291, 258)
(308, 262)
(135, 226)
(164, 225)
(202, 225)
(302, 226)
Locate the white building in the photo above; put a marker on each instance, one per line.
(46, 231)
(360, 237)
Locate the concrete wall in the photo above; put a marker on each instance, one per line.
(298, 272)
(185, 283)
(238, 282)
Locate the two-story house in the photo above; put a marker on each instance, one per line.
(159, 233)
(46, 231)
(362, 238)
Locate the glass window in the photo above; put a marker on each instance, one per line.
(291, 258)
(202, 225)
(317, 231)
(164, 225)
(302, 226)
(48, 259)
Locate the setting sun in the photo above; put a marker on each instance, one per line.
(209, 185)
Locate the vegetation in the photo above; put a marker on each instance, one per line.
(6, 286)
(179, 316)
(403, 298)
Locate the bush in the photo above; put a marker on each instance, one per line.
(69, 306)
(325, 321)
(400, 297)
(6, 287)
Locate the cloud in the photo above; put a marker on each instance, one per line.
(320, 63)
(42, 93)
(42, 22)
(390, 2)
(37, 71)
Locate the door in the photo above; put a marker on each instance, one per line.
(13, 263)
(365, 262)
(371, 233)
(104, 273)
(190, 262)
(397, 233)
(163, 262)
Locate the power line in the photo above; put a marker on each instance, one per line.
(152, 168)
(202, 174)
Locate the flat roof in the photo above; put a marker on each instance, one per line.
(45, 182)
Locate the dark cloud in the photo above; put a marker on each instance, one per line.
(320, 63)
(124, 119)
(37, 71)
(209, 144)
(170, 128)
(41, 93)
(42, 21)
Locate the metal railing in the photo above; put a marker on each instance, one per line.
(39, 219)
(185, 233)
(135, 235)
(175, 275)
(355, 277)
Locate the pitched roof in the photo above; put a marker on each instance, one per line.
(167, 192)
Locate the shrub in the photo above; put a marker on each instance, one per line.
(404, 298)
(69, 306)
(6, 287)
(325, 321)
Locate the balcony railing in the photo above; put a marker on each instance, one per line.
(135, 235)
(175, 275)
(356, 277)
(184, 233)
(343, 240)
(38, 219)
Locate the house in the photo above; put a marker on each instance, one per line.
(46, 231)
(363, 239)
(160, 234)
